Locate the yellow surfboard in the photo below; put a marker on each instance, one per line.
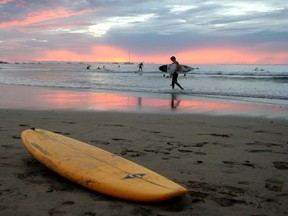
(97, 169)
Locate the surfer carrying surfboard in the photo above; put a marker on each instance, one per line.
(140, 66)
(175, 73)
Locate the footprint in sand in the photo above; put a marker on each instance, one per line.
(5, 192)
(120, 139)
(233, 164)
(100, 142)
(281, 165)
(23, 125)
(268, 145)
(60, 210)
(200, 144)
(200, 153)
(1, 129)
(68, 122)
(274, 185)
(259, 151)
(220, 135)
(131, 153)
(115, 125)
(90, 214)
(223, 195)
(184, 150)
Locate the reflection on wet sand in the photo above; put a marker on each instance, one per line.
(19, 97)
(174, 101)
(145, 102)
(139, 103)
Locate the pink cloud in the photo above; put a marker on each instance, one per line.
(6, 1)
(19, 3)
(42, 15)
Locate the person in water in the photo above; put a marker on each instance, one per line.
(140, 66)
(175, 73)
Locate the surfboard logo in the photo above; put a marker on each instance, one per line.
(134, 176)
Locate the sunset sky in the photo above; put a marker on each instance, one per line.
(195, 31)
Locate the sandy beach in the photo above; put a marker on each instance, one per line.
(230, 165)
(195, 91)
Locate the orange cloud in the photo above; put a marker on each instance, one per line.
(101, 53)
(42, 15)
(106, 53)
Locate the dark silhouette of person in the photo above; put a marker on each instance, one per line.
(175, 73)
(140, 66)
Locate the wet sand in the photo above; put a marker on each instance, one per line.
(41, 98)
(230, 165)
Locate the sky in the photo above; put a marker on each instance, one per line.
(149, 31)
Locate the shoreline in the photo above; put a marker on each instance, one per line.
(230, 165)
(42, 98)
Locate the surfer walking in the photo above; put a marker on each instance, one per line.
(175, 73)
(140, 66)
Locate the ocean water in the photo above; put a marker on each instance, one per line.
(253, 83)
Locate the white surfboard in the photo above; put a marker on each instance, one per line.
(170, 68)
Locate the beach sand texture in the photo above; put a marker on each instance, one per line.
(230, 165)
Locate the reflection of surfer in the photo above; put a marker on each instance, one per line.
(174, 102)
(175, 73)
(139, 102)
